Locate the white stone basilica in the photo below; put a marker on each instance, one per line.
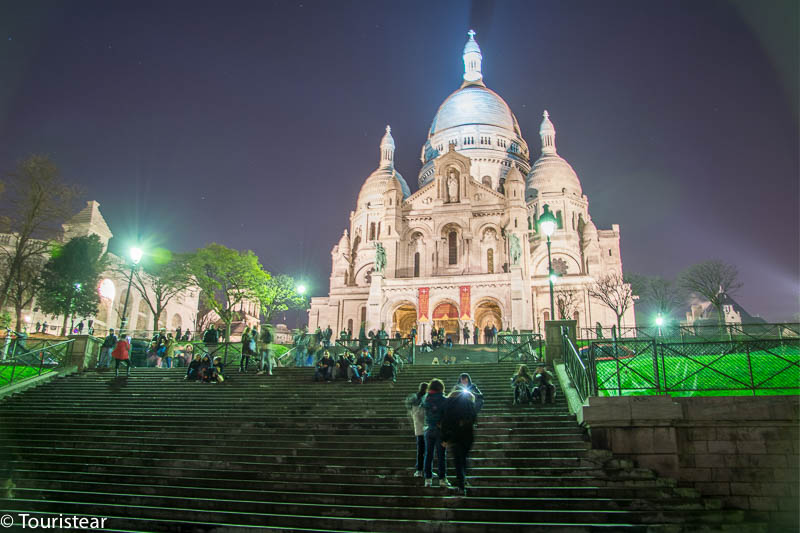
(464, 250)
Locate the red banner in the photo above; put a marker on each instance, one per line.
(424, 296)
(464, 292)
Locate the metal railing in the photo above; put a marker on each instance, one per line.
(44, 358)
(695, 333)
(579, 373)
(753, 367)
(521, 347)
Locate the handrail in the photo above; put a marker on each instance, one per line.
(526, 346)
(33, 359)
(580, 375)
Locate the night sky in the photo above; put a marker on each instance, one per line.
(254, 124)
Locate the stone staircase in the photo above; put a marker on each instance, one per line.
(280, 453)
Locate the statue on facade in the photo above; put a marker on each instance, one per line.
(514, 248)
(380, 257)
(452, 186)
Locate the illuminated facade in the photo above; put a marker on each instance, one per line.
(463, 250)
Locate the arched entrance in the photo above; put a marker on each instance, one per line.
(445, 315)
(403, 319)
(488, 314)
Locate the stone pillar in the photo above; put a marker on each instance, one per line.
(552, 328)
(83, 353)
(374, 302)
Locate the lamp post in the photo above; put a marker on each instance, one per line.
(547, 225)
(136, 256)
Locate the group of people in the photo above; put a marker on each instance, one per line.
(118, 349)
(356, 368)
(529, 388)
(443, 423)
(204, 369)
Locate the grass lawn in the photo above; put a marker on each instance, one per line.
(774, 371)
(20, 373)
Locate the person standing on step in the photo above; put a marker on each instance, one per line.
(417, 414)
(211, 339)
(178, 333)
(465, 384)
(327, 334)
(457, 431)
(106, 348)
(245, 359)
(267, 363)
(169, 351)
(465, 335)
(475, 334)
(121, 354)
(433, 404)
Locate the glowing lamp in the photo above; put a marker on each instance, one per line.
(547, 222)
(301, 289)
(659, 320)
(136, 255)
(107, 289)
(553, 278)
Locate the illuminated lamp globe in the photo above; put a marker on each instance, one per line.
(107, 289)
(301, 289)
(553, 278)
(547, 222)
(136, 255)
(659, 320)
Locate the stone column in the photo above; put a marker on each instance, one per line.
(374, 302)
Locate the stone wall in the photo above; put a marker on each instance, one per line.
(742, 450)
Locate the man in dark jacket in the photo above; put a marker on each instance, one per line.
(324, 367)
(433, 403)
(105, 350)
(457, 431)
(465, 384)
(210, 339)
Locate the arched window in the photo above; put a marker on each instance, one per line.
(350, 324)
(546, 316)
(576, 317)
(363, 315)
(416, 265)
(372, 231)
(452, 246)
(378, 234)
(490, 260)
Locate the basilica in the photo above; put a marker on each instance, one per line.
(465, 249)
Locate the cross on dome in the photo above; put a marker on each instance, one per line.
(472, 60)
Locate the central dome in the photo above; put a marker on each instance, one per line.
(474, 104)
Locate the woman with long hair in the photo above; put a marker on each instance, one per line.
(522, 381)
(417, 414)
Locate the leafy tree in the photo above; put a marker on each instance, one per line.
(70, 279)
(614, 293)
(36, 203)
(279, 293)
(25, 286)
(160, 278)
(711, 280)
(225, 278)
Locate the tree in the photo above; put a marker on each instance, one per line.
(225, 278)
(567, 302)
(660, 295)
(711, 280)
(614, 293)
(70, 278)
(159, 279)
(279, 293)
(36, 203)
(25, 286)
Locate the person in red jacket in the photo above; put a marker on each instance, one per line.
(122, 353)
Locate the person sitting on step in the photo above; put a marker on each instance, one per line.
(362, 367)
(389, 366)
(340, 368)
(203, 371)
(545, 390)
(465, 383)
(215, 373)
(522, 382)
(325, 367)
(193, 372)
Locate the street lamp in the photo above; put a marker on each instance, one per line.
(136, 256)
(659, 323)
(547, 225)
(301, 289)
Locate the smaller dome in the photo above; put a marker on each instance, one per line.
(472, 45)
(377, 183)
(551, 173)
(344, 244)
